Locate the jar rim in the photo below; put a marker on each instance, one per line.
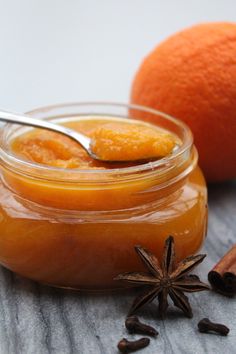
(40, 170)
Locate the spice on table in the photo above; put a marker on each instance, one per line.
(126, 346)
(133, 325)
(165, 279)
(206, 326)
(223, 276)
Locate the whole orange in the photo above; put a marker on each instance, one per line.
(192, 76)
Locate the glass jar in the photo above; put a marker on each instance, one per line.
(78, 228)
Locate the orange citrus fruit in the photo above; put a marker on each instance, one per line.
(192, 76)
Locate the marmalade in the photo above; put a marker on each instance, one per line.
(70, 221)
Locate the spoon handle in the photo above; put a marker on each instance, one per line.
(22, 119)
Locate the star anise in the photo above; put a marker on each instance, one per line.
(165, 279)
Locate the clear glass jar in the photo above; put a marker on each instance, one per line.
(78, 228)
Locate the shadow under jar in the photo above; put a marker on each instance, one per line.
(78, 228)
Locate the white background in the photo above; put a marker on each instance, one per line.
(54, 51)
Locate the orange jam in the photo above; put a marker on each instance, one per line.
(71, 221)
(122, 141)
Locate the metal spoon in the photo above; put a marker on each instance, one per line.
(81, 139)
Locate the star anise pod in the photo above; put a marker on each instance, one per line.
(165, 279)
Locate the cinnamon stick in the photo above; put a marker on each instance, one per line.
(223, 276)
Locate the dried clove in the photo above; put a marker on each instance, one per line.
(206, 326)
(126, 346)
(133, 325)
